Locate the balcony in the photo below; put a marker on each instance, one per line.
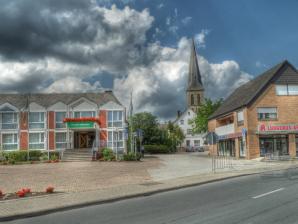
(225, 130)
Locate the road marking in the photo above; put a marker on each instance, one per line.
(270, 192)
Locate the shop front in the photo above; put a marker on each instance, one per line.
(274, 139)
(226, 144)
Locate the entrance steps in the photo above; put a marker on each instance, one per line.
(77, 155)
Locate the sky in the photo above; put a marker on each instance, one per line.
(142, 46)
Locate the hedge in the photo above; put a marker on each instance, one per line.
(132, 156)
(22, 155)
(154, 149)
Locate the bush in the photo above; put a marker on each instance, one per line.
(154, 149)
(53, 157)
(34, 155)
(132, 156)
(15, 156)
(108, 154)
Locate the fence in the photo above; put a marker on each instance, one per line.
(221, 162)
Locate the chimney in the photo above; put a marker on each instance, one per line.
(178, 113)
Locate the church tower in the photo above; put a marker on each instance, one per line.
(195, 89)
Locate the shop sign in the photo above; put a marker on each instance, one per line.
(86, 124)
(233, 135)
(278, 128)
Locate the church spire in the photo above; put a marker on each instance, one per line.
(194, 76)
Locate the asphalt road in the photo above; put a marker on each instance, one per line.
(270, 198)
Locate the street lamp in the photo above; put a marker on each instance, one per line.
(117, 137)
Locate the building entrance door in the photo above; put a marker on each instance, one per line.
(84, 139)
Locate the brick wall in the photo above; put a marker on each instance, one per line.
(23, 140)
(287, 112)
(23, 120)
(51, 119)
(103, 138)
(51, 140)
(103, 118)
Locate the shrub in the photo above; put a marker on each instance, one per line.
(108, 154)
(154, 149)
(50, 189)
(15, 156)
(44, 157)
(35, 155)
(53, 157)
(132, 156)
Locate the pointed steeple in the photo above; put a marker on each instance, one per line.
(194, 76)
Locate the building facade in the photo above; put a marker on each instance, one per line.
(61, 121)
(194, 98)
(260, 117)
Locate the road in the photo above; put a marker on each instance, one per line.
(270, 198)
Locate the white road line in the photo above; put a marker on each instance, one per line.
(270, 192)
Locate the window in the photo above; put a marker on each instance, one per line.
(199, 99)
(240, 118)
(267, 113)
(192, 100)
(196, 142)
(59, 116)
(189, 131)
(284, 90)
(293, 89)
(36, 140)
(115, 139)
(115, 118)
(182, 122)
(281, 90)
(36, 120)
(9, 120)
(61, 140)
(79, 114)
(9, 141)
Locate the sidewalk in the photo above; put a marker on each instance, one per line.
(57, 202)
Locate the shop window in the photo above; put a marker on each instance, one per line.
(59, 116)
(60, 139)
(267, 113)
(9, 141)
(36, 140)
(274, 145)
(240, 118)
(36, 120)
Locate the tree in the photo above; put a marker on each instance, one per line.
(175, 135)
(148, 123)
(200, 122)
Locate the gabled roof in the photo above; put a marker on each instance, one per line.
(47, 99)
(194, 75)
(249, 92)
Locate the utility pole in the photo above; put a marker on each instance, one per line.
(130, 123)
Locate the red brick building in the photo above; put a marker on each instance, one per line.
(61, 121)
(260, 117)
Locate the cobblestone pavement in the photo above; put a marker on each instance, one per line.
(75, 176)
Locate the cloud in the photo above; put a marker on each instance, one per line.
(72, 84)
(185, 21)
(160, 87)
(64, 47)
(200, 38)
(261, 65)
(160, 6)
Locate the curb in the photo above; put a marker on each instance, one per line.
(111, 200)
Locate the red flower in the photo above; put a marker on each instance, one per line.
(21, 193)
(50, 189)
(26, 190)
(1, 193)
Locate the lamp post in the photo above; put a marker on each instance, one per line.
(117, 137)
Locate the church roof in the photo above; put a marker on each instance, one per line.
(194, 75)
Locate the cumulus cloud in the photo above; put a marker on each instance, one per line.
(200, 38)
(160, 87)
(64, 45)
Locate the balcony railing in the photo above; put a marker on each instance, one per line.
(225, 130)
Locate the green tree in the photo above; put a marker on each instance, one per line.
(175, 135)
(148, 123)
(200, 122)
